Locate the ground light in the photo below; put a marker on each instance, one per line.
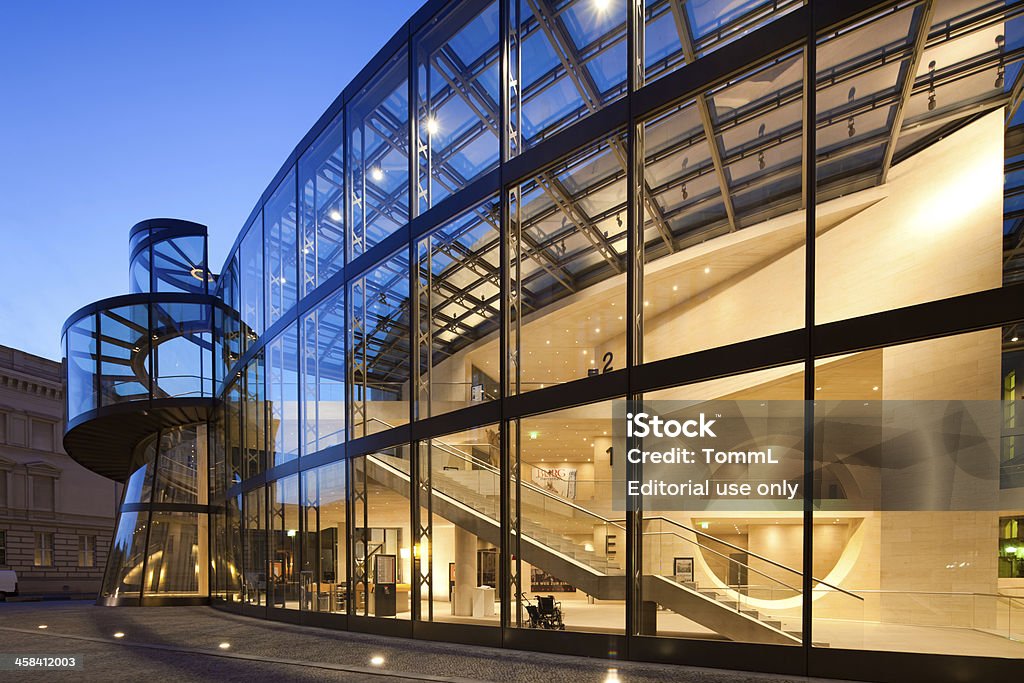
(119, 634)
(377, 660)
(612, 676)
(224, 646)
(42, 625)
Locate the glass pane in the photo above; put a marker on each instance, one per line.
(254, 419)
(571, 62)
(81, 344)
(382, 541)
(283, 589)
(279, 217)
(323, 363)
(251, 282)
(456, 561)
(723, 243)
(283, 397)
(379, 347)
(569, 547)
(181, 466)
(721, 569)
(459, 311)
(177, 555)
(568, 262)
(124, 354)
(458, 96)
(678, 32)
(324, 550)
(922, 562)
(322, 193)
(182, 337)
(378, 156)
(123, 577)
(910, 172)
(179, 264)
(254, 542)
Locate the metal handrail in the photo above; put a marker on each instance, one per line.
(748, 552)
(756, 571)
(525, 484)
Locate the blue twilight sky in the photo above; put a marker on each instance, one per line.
(112, 112)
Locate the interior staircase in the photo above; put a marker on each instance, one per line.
(471, 508)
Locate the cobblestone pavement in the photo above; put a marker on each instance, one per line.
(184, 644)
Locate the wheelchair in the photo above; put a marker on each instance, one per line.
(547, 613)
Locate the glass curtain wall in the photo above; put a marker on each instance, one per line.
(698, 217)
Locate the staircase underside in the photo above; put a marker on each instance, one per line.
(104, 439)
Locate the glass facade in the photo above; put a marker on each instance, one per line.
(525, 212)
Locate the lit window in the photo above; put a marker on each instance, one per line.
(44, 549)
(86, 551)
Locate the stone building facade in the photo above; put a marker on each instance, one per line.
(56, 517)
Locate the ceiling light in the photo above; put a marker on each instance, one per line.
(707, 269)
(602, 5)
(874, 388)
(533, 435)
(1013, 339)
(376, 173)
(432, 126)
(335, 215)
(647, 303)
(675, 288)
(291, 533)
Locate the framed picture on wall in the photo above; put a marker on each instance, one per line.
(682, 569)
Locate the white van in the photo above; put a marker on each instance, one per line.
(8, 583)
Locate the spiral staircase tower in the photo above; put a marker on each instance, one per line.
(140, 391)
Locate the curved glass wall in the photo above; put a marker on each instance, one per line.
(138, 352)
(160, 548)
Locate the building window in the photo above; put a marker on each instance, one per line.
(42, 492)
(42, 435)
(3, 548)
(3, 488)
(44, 549)
(86, 551)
